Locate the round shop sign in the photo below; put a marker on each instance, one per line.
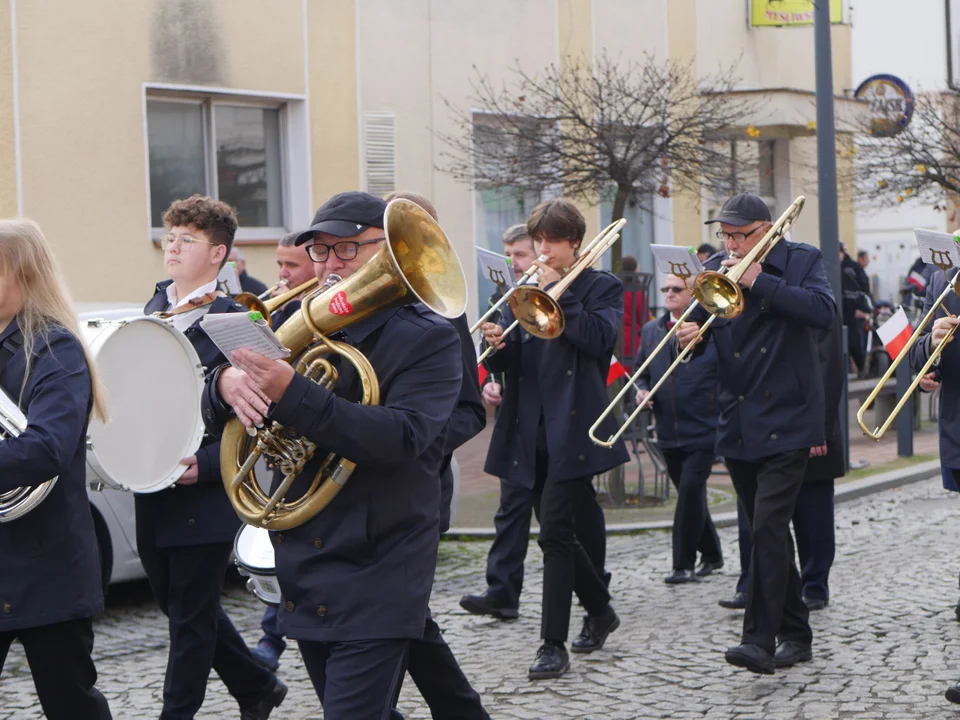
(891, 104)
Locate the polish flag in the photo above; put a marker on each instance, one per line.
(895, 333)
(616, 371)
(917, 280)
(482, 374)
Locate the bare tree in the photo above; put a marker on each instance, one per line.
(631, 129)
(894, 164)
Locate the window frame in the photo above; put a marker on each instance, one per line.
(295, 174)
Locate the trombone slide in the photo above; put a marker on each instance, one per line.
(878, 432)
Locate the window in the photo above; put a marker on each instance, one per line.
(230, 149)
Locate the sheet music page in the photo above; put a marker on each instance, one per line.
(231, 331)
(937, 248)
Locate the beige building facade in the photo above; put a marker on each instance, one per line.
(109, 109)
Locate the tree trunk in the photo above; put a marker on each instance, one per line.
(615, 478)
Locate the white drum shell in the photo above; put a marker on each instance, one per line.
(253, 553)
(154, 382)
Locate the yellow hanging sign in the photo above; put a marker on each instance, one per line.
(773, 13)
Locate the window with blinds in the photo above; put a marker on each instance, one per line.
(380, 152)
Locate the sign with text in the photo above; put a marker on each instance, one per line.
(774, 13)
(891, 104)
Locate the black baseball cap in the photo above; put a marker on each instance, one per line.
(346, 215)
(741, 210)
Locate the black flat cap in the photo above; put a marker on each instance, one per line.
(346, 215)
(741, 210)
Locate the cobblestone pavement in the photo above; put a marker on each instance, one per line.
(886, 647)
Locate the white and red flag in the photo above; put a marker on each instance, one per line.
(895, 333)
(616, 371)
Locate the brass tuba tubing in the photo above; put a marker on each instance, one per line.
(732, 277)
(878, 432)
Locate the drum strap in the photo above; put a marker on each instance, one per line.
(10, 347)
(190, 305)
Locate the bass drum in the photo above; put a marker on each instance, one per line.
(154, 382)
(254, 556)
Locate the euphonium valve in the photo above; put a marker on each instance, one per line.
(416, 264)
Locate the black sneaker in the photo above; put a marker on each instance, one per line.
(262, 710)
(552, 662)
(487, 604)
(595, 631)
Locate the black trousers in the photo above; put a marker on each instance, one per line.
(693, 528)
(438, 677)
(63, 671)
(768, 488)
(187, 582)
(354, 680)
(813, 524)
(512, 523)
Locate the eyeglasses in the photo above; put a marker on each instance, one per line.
(184, 240)
(346, 250)
(736, 236)
(672, 288)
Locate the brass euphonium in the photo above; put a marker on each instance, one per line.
(415, 264)
(19, 501)
(266, 305)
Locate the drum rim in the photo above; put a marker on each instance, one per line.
(258, 570)
(93, 459)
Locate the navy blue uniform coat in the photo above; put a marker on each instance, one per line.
(200, 513)
(362, 569)
(771, 394)
(571, 383)
(949, 380)
(48, 557)
(685, 406)
(830, 352)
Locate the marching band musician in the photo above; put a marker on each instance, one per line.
(944, 371)
(185, 534)
(771, 415)
(686, 417)
(554, 391)
(356, 578)
(430, 662)
(51, 585)
(505, 559)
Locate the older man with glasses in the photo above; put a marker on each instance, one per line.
(686, 420)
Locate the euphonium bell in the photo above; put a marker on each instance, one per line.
(415, 264)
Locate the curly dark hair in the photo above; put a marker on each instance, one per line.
(215, 217)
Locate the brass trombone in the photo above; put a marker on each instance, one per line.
(538, 310)
(935, 353)
(719, 293)
(535, 267)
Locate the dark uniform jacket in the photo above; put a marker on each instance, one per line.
(48, 557)
(771, 397)
(469, 417)
(200, 513)
(830, 352)
(283, 314)
(565, 379)
(950, 377)
(363, 568)
(685, 406)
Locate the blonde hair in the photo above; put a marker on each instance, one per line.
(26, 255)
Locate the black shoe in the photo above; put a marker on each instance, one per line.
(707, 567)
(595, 631)
(953, 694)
(737, 602)
(552, 662)
(814, 603)
(486, 604)
(752, 657)
(262, 710)
(681, 576)
(605, 579)
(791, 652)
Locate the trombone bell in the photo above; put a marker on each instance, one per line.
(718, 294)
(538, 313)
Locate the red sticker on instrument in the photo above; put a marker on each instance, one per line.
(339, 304)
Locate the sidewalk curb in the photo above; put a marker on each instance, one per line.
(845, 492)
